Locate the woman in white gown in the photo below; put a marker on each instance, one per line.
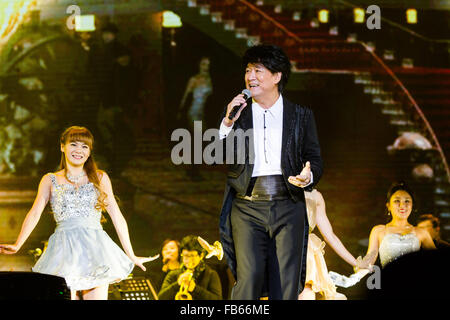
(398, 237)
(79, 250)
(318, 281)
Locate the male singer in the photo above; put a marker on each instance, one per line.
(263, 223)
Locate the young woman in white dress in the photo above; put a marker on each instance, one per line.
(398, 237)
(79, 250)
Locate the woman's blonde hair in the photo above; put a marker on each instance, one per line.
(82, 134)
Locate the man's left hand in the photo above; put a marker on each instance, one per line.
(304, 178)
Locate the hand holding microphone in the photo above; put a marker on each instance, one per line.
(236, 106)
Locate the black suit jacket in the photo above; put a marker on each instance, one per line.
(299, 145)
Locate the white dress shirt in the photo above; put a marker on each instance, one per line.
(267, 138)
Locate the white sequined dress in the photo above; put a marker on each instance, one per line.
(395, 245)
(80, 250)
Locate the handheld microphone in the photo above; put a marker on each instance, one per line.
(247, 94)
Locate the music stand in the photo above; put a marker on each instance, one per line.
(135, 288)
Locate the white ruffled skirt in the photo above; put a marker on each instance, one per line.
(82, 253)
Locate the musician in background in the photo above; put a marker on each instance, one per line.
(433, 225)
(194, 280)
(171, 260)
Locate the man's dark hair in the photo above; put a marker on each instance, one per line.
(429, 217)
(190, 243)
(110, 27)
(273, 58)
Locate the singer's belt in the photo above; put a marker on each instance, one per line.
(266, 188)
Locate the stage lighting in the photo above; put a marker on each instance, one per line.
(314, 23)
(278, 8)
(85, 23)
(407, 63)
(358, 15)
(334, 31)
(171, 20)
(296, 16)
(323, 16)
(12, 14)
(411, 16)
(388, 55)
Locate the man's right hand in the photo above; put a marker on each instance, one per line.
(238, 100)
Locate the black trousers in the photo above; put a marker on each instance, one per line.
(270, 239)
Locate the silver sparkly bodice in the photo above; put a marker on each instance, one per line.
(395, 245)
(68, 202)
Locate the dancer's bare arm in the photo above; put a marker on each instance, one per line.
(32, 217)
(120, 223)
(425, 238)
(325, 228)
(374, 244)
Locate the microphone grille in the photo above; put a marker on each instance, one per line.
(247, 93)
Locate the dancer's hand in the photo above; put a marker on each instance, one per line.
(304, 178)
(366, 262)
(139, 261)
(8, 248)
